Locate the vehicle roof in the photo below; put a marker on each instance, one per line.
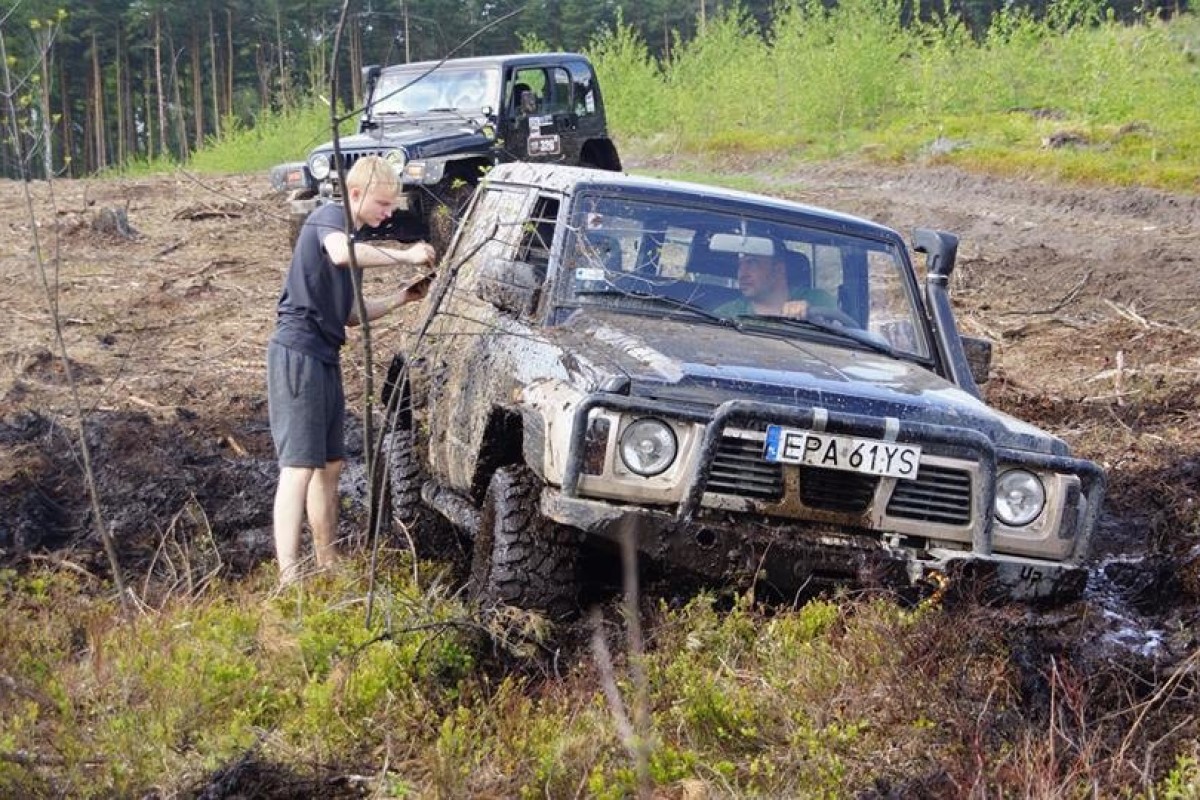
(570, 180)
(516, 59)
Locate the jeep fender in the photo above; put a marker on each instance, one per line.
(600, 154)
(548, 410)
(501, 446)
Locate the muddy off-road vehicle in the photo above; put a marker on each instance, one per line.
(578, 376)
(443, 124)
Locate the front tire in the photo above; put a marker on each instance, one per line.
(521, 558)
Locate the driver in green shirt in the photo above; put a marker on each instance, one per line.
(763, 282)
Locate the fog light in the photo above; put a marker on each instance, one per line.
(1020, 497)
(648, 446)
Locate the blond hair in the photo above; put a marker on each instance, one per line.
(374, 173)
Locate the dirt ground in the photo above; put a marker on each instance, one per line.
(1089, 296)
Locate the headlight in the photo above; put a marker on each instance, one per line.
(397, 158)
(1020, 497)
(318, 165)
(420, 171)
(648, 446)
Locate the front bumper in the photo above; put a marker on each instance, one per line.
(801, 550)
(797, 556)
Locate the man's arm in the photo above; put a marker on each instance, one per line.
(337, 245)
(378, 306)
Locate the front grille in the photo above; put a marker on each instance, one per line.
(938, 495)
(739, 469)
(835, 490)
(349, 159)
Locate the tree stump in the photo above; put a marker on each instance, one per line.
(113, 221)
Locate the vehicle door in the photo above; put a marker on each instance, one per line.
(538, 105)
(453, 354)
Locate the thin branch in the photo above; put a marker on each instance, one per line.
(52, 303)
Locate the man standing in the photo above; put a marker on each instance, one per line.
(305, 397)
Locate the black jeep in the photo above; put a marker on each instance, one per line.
(589, 367)
(444, 124)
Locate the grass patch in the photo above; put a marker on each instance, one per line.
(855, 79)
(829, 699)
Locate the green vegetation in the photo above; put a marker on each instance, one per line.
(824, 700)
(1074, 95)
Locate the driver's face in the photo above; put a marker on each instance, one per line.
(758, 276)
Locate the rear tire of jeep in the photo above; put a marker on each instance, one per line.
(521, 558)
(431, 534)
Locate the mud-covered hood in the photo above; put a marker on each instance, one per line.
(427, 137)
(687, 362)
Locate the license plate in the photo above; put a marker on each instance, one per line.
(544, 145)
(831, 451)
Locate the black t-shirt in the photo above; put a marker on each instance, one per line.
(317, 294)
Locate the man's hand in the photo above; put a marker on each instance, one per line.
(421, 254)
(795, 308)
(417, 290)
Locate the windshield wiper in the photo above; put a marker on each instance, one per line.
(671, 302)
(841, 331)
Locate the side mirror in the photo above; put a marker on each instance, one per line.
(979, 357)
(511, 286)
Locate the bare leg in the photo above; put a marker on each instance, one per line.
(323, 512)
(290, 496)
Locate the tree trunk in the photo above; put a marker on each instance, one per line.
(197, 92)
(122, 96)
(132, 143)
(284, 83)
(99, 161)
(178, 117)
(356, 87)
(158, 85)
(45, 40)
(262, 65)
(216, 74)
(229, 62)
(68, 138)
(148, 103)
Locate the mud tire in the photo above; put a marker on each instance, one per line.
(521, 558)
(295, 223)
(432, 534)
(447, 209)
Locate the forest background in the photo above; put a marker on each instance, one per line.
(127, 84)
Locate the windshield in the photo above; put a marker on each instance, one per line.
(755, 271)
(463, 90)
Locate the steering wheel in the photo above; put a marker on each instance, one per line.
(833, 315)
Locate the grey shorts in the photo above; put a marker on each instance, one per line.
(307, 407)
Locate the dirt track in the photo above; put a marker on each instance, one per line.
(1089, 295)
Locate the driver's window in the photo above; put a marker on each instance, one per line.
(558, 99)
(526, 90)
(538, 234)
(481, 241)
